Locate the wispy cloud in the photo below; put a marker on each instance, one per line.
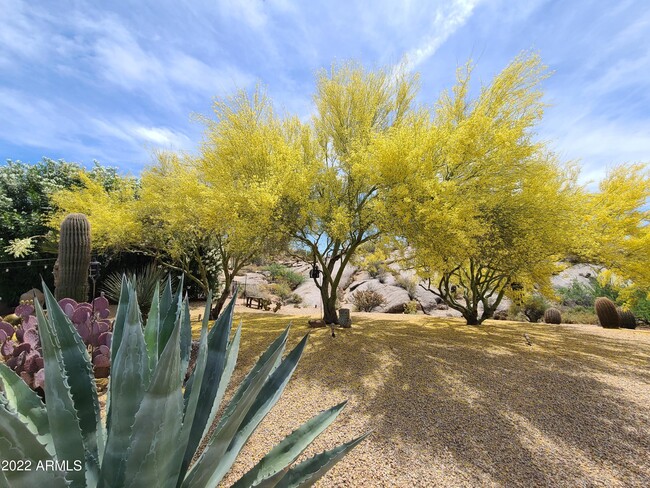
(449, 17)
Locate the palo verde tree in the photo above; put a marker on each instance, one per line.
(616, 230)
(484, 208)
(250, 167)
(153, 216)
(354, 108)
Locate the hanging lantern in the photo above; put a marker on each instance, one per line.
(314, 272)
(94, 269)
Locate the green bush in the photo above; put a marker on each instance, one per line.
(577, 294)
(409, 283)
(641, 306)
(579, 315)
(281, 290)
(281, 274)
(411, 307)
(533, 308)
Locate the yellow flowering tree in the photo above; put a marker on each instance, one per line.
(485, 209)
(337, 213)
(616, 234)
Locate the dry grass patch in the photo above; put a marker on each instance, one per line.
(452, 405)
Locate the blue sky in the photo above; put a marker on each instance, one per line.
(113, 80)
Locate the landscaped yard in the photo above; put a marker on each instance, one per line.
(454, 405)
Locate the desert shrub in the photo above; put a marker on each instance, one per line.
(500, 315)
(408, 283)
(411, 307)
(367, 300)
(377, 269)
(281, 290)
(294, 298)
(533, 307)
(606, 290)
(640, 306)
(577, 294)
(281, 274)
(579, 315)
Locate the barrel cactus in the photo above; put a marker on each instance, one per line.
(552, 316)
(154, 426)
(71, 278)
(627, 318)
(607, 313)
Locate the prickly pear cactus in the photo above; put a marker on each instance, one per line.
(74, 258)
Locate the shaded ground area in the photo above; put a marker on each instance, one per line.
(452, 405)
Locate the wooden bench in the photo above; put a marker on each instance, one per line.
(259, 301)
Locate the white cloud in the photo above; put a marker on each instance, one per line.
(448, 19)
(163, 137)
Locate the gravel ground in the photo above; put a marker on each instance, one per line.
(452, 405)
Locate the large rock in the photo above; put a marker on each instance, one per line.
(309, 293)
(427, 299)
(253, 284)
(580, 272)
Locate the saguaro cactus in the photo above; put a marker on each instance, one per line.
(74, 258)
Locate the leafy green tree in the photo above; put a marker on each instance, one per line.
(485, 209)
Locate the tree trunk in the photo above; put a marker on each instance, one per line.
(330, 316)
(218, 305)
(471, 317)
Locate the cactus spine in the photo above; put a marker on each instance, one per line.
(607, 313)
(552, 316)
(74, 258)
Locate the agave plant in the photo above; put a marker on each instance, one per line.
(153, 427)
(91, 322)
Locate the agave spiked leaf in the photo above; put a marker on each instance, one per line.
(18, 444)
(169, 314)
(130, 373)
(275, 464)
(310, 471)
(29, 407)
(151, 330)
(186, 337)
(214, 377)
(154, 443)
(256, 401)
(153, 429)
(61, 414)
(79, 372)
(120, 315)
